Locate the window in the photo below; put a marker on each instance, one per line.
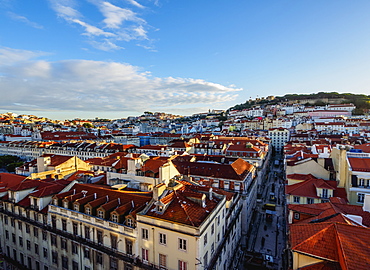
(128, 266)
(129, 222)
(205, 240)
(183, 265)
(12, 222)
(45, 252)
(64, 224)
(64, 262)
(162, 238)
(22, 258)
(6, 234)
(360, 197)
(54, 221)
(74, 248)
(19, 225)
(76, 207)
(310, 201)
(128, 246)
(162, 261)
(75, 265)
(144, 234)
(36, 248)
(6, 220)
(296, 216)
(361, 182)
(88, 210)
(75, 228)
(44, 235)
(296, 199)
(28, 243)
(87, 232)
(182, 244)
(213, 247)
(37, 265)
(113, 241)
(13, 237)
(99, 236)
(28, 228)
(213, 229)
(54, 257)
(14, 254)
(53, 239)
(20, 241)
(145, 254)
(99, 258)
(101, 214)
(36, 232)
(87, 253)
(205, 259)
(324, 193)
(113, 264)
(63, 243)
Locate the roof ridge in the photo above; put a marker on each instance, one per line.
(330, 224)
(339, 243)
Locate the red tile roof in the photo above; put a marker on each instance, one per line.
(360, 164)
(9, 179)
(238, 170)
(345, 244)
(320, 211)
(308, 188)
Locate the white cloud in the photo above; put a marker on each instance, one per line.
(92, 30)
(119, 24)
(23, 19)
(10, 56)
(134, 3)
(95, 86)
(115, 16)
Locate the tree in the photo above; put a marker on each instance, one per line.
(87, 125)
(11, 167)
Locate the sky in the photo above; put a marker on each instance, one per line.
(67, 59)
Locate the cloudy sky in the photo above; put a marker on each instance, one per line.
(92, 58)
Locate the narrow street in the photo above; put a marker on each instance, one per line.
(267, 237)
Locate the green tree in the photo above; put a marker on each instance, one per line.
(11, 167)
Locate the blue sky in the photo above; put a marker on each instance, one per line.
(92, 58)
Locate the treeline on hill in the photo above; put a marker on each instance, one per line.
(9, 162)
(362, 102)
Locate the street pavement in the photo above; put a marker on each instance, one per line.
(267, 238)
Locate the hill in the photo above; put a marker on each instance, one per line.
(362, 102)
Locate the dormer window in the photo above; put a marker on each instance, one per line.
(76, 207)
(65, 204)
(101, 214)
(88, 210)
(55, 201)
(129, 222)
(114, 218)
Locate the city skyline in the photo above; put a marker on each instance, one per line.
(111, 59)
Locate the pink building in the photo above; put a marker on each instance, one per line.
(328, 113)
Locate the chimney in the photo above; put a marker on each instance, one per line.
(158, 191)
